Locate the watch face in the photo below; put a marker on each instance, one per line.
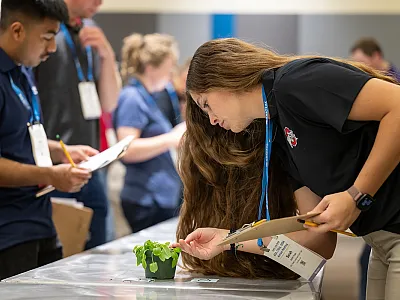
(365, 202)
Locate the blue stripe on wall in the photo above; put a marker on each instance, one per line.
(223, 26)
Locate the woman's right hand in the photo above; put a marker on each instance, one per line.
(66, 178)
(203, 243)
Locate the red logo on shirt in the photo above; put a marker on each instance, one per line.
(291, 137)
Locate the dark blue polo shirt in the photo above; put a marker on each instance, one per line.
(23, 217)
(156, 179)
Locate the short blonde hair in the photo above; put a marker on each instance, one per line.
(139, 51)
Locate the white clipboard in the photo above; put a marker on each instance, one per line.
(99, 161)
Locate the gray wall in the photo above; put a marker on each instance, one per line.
(334, 35)
(277, 31)
(191, 31)
(330, 35)
(118, 26)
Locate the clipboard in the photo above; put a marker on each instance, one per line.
(99, 161)
(263, 228)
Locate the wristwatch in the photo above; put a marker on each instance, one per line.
(363, 201)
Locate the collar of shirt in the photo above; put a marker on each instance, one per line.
(393, 71)
(77, 27)
(6, 63)
(268, 80)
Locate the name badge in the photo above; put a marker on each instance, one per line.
(40, 146)
(111, 137)
(294, 256)
(90, 101)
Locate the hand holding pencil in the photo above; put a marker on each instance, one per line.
(75, 154)
(68, 177)
(312, 224)
(66, 153)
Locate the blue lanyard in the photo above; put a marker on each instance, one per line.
(35, 116)
(267, 157)
(175, 101)
(149, 100)
(78, 66)
(143, 92)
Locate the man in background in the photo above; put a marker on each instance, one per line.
(369, 52)
(77, 84)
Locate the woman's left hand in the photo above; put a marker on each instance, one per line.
(337, 211)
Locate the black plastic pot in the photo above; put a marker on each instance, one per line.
(165, 270)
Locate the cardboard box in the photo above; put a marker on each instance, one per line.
(72, 223)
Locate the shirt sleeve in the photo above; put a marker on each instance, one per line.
(131, 110)
(321, 91)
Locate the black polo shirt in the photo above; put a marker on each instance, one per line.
(310, 100)
(22, 216)
(57, 83)
(164, 103)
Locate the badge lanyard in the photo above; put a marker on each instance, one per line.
(34, 109)
(78, 65)
(143, 92)
(147, 97)
(267, 157)
(175, 101)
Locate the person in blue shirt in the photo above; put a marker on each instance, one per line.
(27, 234)
(152, 186)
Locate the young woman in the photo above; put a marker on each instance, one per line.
(152, 186)
(332, 127)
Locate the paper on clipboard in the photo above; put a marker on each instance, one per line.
(100, 160)
(106, 157)
(265, 229)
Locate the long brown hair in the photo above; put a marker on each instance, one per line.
(221, 170)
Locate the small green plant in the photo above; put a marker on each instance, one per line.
(162, 251)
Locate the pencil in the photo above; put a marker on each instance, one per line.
(311, 224)
(66, 152)
(258, 223)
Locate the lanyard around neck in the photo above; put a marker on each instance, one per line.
(267, 157)
(175, 101)
(34, 108)
(78, 65)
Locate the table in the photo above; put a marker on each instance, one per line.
(110, 271)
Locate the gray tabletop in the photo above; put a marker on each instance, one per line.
(110, 271)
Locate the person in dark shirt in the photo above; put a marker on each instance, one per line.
(368, 51)
(74, 99)
(171, 100)
(27, 234)
(329, 129)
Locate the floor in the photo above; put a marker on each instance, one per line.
(341, 273)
